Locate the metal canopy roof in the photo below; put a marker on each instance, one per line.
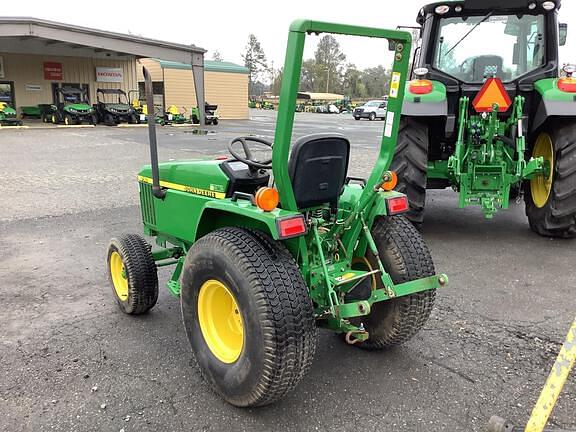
(36, 36)
(209, 65)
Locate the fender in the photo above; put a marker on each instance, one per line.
(434, 104)
(553, 102)
(217, 214)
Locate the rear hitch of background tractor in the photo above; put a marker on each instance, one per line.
(489, 157)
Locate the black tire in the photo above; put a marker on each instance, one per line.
(140, 272)
(405, 257)
(46, 118)
(68, 120)
(215, 121)
(356, 118)
(372, 116)
(279, 331)
(411, 164)
(557, 217)
(93, 119)
(109, 120)
(195, 119)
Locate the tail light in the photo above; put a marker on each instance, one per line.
(420, 86)
(397, 205)
(567, 84)
(291, 226)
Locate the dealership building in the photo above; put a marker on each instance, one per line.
(37, 57)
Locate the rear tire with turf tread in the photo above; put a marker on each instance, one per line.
(558, 216)
(411, 164)
(279, 330)
(141, 273)
(405, 257)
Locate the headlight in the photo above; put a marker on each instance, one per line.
(442, 9)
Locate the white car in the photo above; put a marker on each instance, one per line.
(371, 110)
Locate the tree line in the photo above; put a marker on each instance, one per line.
(327, 72)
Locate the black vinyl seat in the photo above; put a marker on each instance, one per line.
(317, 167)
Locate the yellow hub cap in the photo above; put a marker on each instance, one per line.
(220, 321)
(541, 185)
(118, 273)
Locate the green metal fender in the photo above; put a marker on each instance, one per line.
(553, 102)
(434, 104)
(217, 214)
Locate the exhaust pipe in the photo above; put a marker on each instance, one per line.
(156, 189)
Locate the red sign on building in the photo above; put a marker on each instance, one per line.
(53, 71)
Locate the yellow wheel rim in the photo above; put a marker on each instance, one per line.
(53, 119)
(66, 121)
(220, 321)
(118, 273)
(541, 185)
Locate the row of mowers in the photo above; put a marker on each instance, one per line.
(112, 107)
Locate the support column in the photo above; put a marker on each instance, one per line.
(198, 73)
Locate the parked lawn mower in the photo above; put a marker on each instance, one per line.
(8, 116)
(72, 107)
(210, 114)
(260, 263)
(140, 108)
(487, 114)
(174, 115)
(113, 107)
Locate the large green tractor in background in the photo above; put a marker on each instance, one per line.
(265, 248)
(487, 113)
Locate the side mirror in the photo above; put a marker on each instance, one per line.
(382, 105)
(562, 33)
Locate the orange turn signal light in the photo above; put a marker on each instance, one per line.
(267, 198)
(420, 86)
(391, 180)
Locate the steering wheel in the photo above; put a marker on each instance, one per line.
(248, 159)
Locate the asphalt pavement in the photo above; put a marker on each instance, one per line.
(71, 361)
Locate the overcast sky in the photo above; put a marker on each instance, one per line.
(224, 25)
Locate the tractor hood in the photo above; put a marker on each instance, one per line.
(80, 108)
(8, 111)
(114, 107)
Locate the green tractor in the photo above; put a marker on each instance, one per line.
(72, 107)
(268, 247)
(8, 116)
(488, 115)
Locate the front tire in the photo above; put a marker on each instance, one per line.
(411, 164)
(405, 257)
(372, 116)
(551, 200)
(133, 274)
(257, 342)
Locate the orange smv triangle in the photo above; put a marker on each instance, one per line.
(493, 92)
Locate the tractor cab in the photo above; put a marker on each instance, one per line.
(466, 42)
